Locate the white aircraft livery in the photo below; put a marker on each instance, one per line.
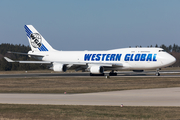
(136, 59)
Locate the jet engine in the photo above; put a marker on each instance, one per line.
(59, 67)
(97, 69)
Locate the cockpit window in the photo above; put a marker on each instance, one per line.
(162, 51)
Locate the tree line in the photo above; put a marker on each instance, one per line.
(5, 66)
(170, 48)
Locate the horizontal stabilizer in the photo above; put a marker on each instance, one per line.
(9, 60)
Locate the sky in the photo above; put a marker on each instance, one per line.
(92, 24)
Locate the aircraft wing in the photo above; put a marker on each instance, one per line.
(91, 64)
(44, 62)
(68, 63)
(38, 62)
(83, 66)
(77, 66)
(107, 64)
(25, 54)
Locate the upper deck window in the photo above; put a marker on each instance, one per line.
(162, 51)
(145, 51)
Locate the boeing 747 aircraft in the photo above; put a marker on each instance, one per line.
(136, 59)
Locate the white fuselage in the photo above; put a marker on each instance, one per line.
(125, 58)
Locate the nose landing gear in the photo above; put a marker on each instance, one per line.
(157, 72)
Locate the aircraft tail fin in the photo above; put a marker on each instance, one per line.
(36, 40)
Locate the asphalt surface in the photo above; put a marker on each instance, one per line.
(120, 74)
(142, 97)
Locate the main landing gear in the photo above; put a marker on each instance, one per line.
(157, 72)
(96, 74)
(112, 73)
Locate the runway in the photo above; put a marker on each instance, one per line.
(142, 97)
(81, 74)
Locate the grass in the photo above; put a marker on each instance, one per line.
(83, 84)
(25, 72)
(73, 112)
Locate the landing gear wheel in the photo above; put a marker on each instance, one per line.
(112, 73)
(96, 74)
(157, 74)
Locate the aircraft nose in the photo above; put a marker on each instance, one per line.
(168, 59)
(171, 59)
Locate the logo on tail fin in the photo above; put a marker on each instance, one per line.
(36, 40)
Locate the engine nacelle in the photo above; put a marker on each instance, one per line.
(59, 67)
(97, 69)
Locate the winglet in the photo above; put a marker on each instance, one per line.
(9, 60)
